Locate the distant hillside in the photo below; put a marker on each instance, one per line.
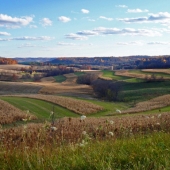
(7, 61)
(124, 62)
(33, 60)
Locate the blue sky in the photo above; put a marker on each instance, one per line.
(89, 28)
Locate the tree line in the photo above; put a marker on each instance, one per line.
(105, 89)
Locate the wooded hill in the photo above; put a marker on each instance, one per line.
(7, 61)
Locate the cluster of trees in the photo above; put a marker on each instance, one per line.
(7, 61)
(87, 79)
(59, 71)
(106, 89)
(161, 62)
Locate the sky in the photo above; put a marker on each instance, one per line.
(84, 28)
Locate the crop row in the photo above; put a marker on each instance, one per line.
(78, 106)
(11, 114)
(155, 103)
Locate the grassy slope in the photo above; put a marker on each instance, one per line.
(39, 108)
(60, 78)
(109, 107)
(79, 73)
(111, 74)
(144, 91)
(150, 73)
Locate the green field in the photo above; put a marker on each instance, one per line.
(111, 74)
(143, 90)
(60, 78)
(39, 108)
(79, 73)
(158, 74)
(109, 107)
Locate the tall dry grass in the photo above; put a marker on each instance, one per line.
(76, 131)
(11, 114)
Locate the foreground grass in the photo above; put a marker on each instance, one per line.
(41, 109)
(146, 152)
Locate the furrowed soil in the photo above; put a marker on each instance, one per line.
(18, 87)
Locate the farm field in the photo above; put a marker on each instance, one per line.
(18, 87)
(13, 67)
(136, 90)
(60, 78)
(39, 108)
(157, 72)
(104, 138)
(78, 106)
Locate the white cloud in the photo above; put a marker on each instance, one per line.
(46, 38)
(85, 11)
(2, 39)
(108, 19)
(158, 43)
(33, 26)
(83, 35)
(130, 43)
(65, 44)
(14, 22)
(127, 31)
(75, 37)
(4, 34)
(161, 17)
(92, 20)
(46, 22)
(87, 33)
(136, 10)
(26, 45)
(64, 19)
(122, 6)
